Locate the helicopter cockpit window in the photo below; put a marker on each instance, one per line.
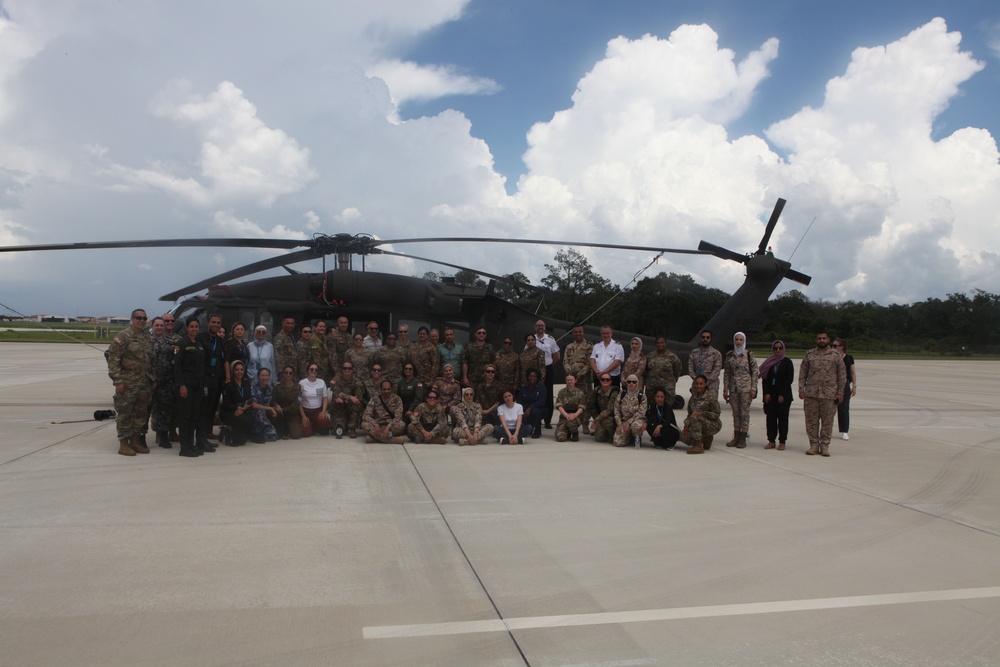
(246, 317)
(268, 321)
(199, 314)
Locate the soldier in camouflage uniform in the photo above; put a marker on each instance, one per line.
(382, 420)
(429, 423)
(132, 368)
(489, 395)
(319, 351)
(706, 361)
(576, 361)
(285, 353)
(424, 356)
(571, 404)
(347, 403)
(630, 413)
(663, 367)
(162, 409)
(467, 418)
(374, 383)
(337, 342)
(303, 351)
(508, 365)
(477, 356)
(702, 422)
(822, 376)
(391, 357)
(740, 387)
(602, 407)
(531, 358)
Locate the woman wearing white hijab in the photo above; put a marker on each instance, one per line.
(630, 413)
(740, 387)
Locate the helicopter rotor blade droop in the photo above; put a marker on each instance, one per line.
(775, 214)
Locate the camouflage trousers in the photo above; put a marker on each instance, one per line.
(162, 409)
(346, 415)
(697, 429)
(604, 429)
(633, 429)
(820, 413)
(416, 435)
(740, 404)
(132, 406)
(485, 431)
(567, 427)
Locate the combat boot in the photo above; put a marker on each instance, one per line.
(741, 443)
(812, 451)
(824, 451)
(173, 436)
(698, 448)
(163, 438)
(708, 442)
(138, 445)
(124, 448)
(736, 439)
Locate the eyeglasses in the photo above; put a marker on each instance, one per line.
(403, 331)
(706, 338)
(305, 331)
(408, 368)
(432, 398)
(605, 379)
(347, 368)
(141, 318)
(631, 382)
(480, 333)
(314, 370)
(376, 370)
(373, 328)
(166, 321)
(507, 342)
(489, 372)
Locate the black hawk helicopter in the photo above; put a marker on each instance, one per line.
(392, 300)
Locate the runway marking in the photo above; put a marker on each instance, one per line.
(643, 616)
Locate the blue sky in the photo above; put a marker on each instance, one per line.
(663, 122)
(537, 51)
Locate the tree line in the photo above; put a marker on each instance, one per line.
(675, 306)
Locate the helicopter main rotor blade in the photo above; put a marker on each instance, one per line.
(466, 239)
(281, 244)
(515, 283)
(245, 270)
(721, 253)
(778, 207)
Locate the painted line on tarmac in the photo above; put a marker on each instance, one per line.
(679, 613)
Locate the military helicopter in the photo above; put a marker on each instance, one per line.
(393, 300)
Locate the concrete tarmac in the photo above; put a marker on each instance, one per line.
(336, 552)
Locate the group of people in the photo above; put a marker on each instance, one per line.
(827, 381)
(324, 379)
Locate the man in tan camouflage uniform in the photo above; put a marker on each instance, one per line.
(337, 342)
(822, 375)
(477, 356)
(284, 347)
(382, 420)
(348, 402)
(706, 361)
(319, 351)
(576, 361)
(391, 357)
(571, 403)
(132, 368)
(304, 350)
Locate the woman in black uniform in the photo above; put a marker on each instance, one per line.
(237, 400)
(189, 379)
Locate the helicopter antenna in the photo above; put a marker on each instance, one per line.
(617, 294)
(801, 239)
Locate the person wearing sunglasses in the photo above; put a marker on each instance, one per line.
(489, 395)
(508, 365)
(304, 352)
(410, 391)
(429, 423)
(132, 369)
(373, 340)
(313, 403)
(777, 374)
(630, 414)
(602, 407)
(478, 355)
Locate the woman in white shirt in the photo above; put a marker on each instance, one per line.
(512, 426)
(313, 403)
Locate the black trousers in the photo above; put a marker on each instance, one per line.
(777, 419)
(189, 416)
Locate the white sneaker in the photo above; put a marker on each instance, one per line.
(844, 436)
